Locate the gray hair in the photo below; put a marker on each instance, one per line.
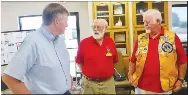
(105, 22)
(154, 13)
(51, 11)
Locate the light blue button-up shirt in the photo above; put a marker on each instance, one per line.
(42, 63)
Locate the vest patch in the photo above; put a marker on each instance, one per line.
(167, 47)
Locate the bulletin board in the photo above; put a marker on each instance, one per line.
(10, 43)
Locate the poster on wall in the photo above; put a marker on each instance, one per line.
(10, 43)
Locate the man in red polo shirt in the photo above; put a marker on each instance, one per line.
(96, 57)
(158, 62)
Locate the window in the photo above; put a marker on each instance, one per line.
(179, 21)
(72, 34)
(72, 39)
(30, 22)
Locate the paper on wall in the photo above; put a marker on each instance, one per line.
(10, 56)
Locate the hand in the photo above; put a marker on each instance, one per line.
(177, 86)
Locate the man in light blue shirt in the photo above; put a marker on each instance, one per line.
(41, 65)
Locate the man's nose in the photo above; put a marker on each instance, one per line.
(66, 25)
(145, 24)
(95, 29)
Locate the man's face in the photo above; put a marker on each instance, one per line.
(99, 29)
(61, 22)
(150, 23)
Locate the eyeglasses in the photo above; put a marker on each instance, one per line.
(98, 27)
(147, 22)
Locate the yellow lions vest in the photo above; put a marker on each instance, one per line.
(167, 58)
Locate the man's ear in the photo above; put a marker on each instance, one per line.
(158, 21)
(106, 27)
(56, 22)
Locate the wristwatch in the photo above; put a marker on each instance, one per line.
(182, 80)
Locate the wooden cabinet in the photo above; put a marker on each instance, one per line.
(102, 10)
(137, 32)
(138, 8)
(119, 15)
(116, 13)
(163, 8)
(142, 6)
(121, 39)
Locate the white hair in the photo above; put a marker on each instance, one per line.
(105, 22)
(154, 13)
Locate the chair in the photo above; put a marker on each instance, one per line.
(122, 68)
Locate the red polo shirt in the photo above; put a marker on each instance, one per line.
(150, 79)
(92, 56)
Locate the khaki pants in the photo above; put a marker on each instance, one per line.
(93, 87)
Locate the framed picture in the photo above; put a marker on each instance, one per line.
(120, 37)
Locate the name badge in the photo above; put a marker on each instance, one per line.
(108, 52)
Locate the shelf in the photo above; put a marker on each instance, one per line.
(120, 15)
(118, 43)
(158, 2)
(102, 11)
(139, 14)
(103, 16)
(118, 3)
(140, 21)
(119, 26)
(102, 4)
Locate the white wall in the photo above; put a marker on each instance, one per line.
(11, 10)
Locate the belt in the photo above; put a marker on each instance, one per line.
(97, 80)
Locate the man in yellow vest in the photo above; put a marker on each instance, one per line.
(158, 62)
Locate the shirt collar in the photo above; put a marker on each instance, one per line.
(48, 34)
(159, 34)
